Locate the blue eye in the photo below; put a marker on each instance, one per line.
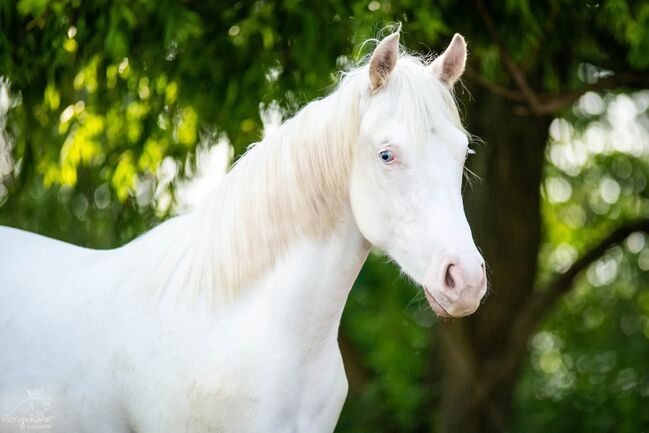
(386, 156)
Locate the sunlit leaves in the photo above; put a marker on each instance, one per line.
(186, 129)
(123, 176)
(596, 178)
(52, 97)
(33, 7)
(630, 24)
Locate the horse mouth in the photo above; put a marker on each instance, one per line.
(437, 308)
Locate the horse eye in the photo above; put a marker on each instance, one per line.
(386, 156)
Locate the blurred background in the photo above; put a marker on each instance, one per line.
(117, 114)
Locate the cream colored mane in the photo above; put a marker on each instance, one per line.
(294, 183)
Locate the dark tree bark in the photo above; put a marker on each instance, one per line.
(480, 370)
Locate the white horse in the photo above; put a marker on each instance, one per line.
(226, 319)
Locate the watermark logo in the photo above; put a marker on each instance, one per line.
(32, 412)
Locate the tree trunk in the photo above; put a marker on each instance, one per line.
(480, 369)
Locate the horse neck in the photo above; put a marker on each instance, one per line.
(307, 289)
(292, 186)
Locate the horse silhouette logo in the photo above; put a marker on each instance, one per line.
(39, 402)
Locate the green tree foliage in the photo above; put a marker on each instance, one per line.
(108, 102)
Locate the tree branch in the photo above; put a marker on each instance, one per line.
(542, 300)
(562, 283)
(514, 70)
(494, 88)
(550, 103)
(542, 104)
(529, 316)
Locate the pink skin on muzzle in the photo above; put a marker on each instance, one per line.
(456, 288)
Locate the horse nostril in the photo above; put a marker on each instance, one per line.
(450, 282)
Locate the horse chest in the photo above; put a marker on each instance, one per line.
(245, 382)
(269, 399)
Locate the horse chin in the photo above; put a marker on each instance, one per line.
(437, 308)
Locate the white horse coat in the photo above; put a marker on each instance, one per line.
(111, 360)
(226, 319)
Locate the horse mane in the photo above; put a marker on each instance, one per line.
(293, 183)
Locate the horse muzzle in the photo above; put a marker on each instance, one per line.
(456, 288)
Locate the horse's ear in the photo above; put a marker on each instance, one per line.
(449, 66)
(383, 60)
